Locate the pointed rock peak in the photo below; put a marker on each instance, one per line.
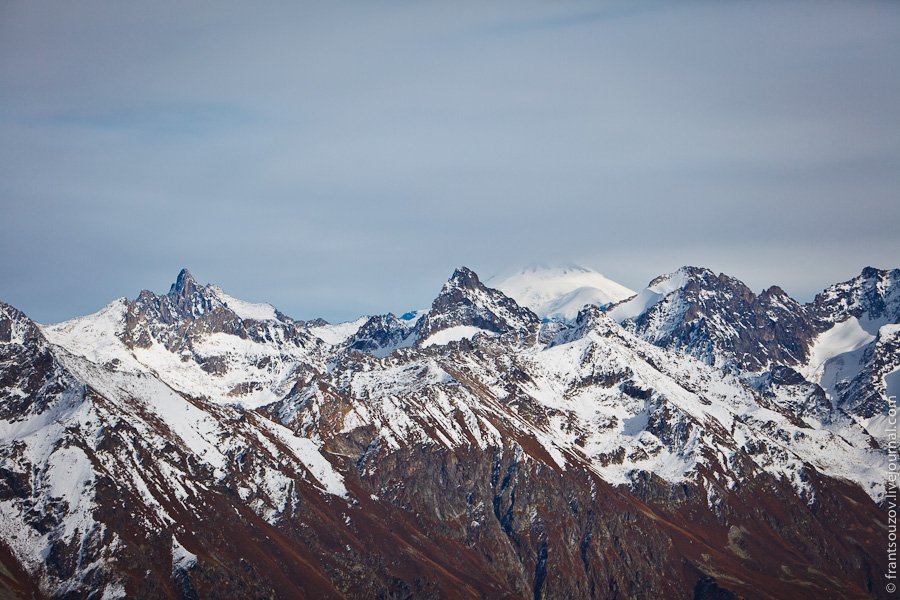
(466, 303)
(681, 278)
(466, 278)
(695, 270)
(15, 326)
(775, 294)
(685, 275)
(876, 274)
(671, 281)
(186, 298)
(871, 272)
(874, 292)
(9, 311)
(590, 318)
(870, 277)
(593, 317)
(465, 286)
(691, 284)
(381, 335)
(696, 278)
(184, 285)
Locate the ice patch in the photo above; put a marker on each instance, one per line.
(844, 337)
(454, 334)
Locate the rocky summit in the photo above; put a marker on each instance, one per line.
(692, 440)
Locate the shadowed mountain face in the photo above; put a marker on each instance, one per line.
(465, 302)
(696, 440)
(718, 319)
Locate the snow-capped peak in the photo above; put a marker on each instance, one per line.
(658, 289)
(465, 301)
(560, 292)
(194, 300)
(177, 422)
(875, 293)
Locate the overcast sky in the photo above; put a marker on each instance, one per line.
(341, 158)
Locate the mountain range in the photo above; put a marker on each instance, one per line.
(551, 434)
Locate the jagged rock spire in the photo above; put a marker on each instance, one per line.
(466, 278)
(189, 298)
(184, 285)
(465, 301)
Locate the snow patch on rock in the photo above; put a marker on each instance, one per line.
(243, 309)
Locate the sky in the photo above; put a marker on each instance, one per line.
(342, 158)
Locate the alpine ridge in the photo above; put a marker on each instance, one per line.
(695, 439)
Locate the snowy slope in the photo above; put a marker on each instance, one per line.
(244, 309)
(453, 334)
(96, 337)
(720, 320)
(836, 354)
(560, 292)
(856, 355)
(596, 395)
(247, 371)
(658, 289)
(85, 422)
(194, 398)
(222, 348)
(338, 333)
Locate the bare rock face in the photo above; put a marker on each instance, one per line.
(874, 294)
(869, 304)
(867, 394)
(192, 445)
(381, 334)
(718, 319)
(465, 301)
(190, 311)
(788, 391)
(188, 297)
